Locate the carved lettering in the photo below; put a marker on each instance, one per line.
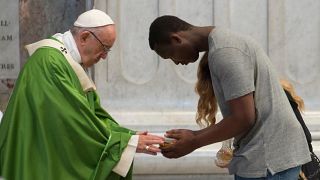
(6, 38)
(8, 67)
(4, 23)
(9, 39)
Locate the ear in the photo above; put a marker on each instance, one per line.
(84, 36)
(175, 38)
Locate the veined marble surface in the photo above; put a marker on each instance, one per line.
(135, 79)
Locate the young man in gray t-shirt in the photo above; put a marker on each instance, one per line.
(269, 141)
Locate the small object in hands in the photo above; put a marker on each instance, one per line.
(167, 142)
(147, 148)
(224, 155)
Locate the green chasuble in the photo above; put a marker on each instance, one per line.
(53, 130)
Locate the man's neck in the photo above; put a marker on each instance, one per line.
(200, 37)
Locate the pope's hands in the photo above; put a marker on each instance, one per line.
(147, 143)
(184, 145)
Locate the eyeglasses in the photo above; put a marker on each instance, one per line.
(106, 49)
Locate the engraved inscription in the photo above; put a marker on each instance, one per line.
(6, 37)
(9, 39)
(4, 23)
(6, 66)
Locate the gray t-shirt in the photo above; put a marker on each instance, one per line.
(239, 66)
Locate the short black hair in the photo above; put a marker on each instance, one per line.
(161, 28)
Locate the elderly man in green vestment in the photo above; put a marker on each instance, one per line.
(54, 126)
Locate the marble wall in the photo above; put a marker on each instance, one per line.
(134, 78)
(40, 19)
(36, 19)
(135, 83)
(144, 92)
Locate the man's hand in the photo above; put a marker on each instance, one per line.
(184, 145)
(146, 143)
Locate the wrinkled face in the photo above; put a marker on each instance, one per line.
(179, 51)
(97, 44)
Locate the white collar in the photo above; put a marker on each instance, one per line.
(69, 42)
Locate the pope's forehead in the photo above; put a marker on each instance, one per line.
(109, 30)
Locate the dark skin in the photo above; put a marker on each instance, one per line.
(183, 49)
(240, 121)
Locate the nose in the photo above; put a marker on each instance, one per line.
(104, 55)
(174, 60)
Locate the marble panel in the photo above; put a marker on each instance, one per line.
(142, 83)
(189, 10)
(165, 99)
(9, 39)
(294, 46)
(221, 13)
(276, 31)
(138, 80)
(248, 17)
(26, 22)
(139, 65)
(41, 19)
(303, 41)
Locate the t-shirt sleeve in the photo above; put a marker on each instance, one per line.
(234, 70)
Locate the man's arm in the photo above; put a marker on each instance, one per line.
(240, 121)
(234, 70)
